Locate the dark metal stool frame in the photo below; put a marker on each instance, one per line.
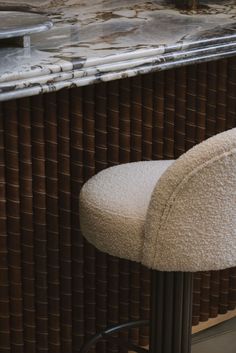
(171, 317)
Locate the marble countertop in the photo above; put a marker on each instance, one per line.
(102, 40)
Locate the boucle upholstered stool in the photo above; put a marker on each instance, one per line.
(175, 217)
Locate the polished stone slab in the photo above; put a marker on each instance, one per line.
(102, 40)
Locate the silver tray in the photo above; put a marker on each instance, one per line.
(16, 27)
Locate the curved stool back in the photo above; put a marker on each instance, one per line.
(191, 220)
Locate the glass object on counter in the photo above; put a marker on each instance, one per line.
(190, 4)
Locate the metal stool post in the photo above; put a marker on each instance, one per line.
(171, 312)
(171, 317)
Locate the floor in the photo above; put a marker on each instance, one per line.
(218, 339)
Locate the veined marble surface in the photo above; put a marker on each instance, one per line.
(102, 40)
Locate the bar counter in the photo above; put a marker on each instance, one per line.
(107, 40)
(165, 81)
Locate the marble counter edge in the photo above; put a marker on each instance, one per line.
(125, 57)
(104, 73)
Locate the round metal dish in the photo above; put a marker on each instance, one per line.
(15, 24)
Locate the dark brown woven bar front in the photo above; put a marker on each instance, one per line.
(56, 290)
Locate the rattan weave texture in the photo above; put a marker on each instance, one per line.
(56, 290)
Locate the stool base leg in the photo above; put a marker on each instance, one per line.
(171, 312)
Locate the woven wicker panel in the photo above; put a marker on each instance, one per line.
(55, 289)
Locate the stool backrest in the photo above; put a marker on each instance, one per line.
(191, 220)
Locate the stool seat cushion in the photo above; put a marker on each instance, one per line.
(113, 207)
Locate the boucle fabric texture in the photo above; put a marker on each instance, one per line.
(191, 219)
(113, 207)
(169, 215)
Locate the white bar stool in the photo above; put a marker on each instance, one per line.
(175, 217)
